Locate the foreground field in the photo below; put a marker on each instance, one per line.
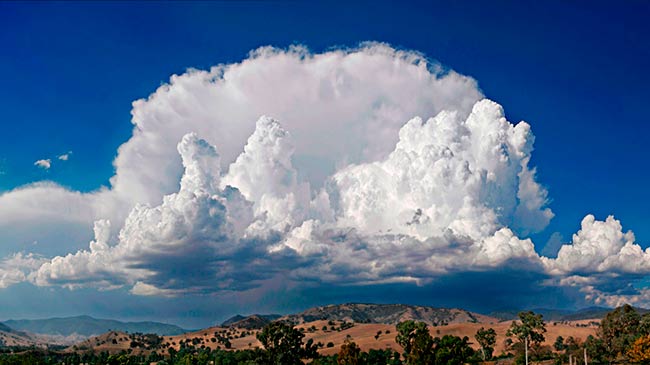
(330, 334)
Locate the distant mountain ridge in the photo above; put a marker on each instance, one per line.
(253, 321)
(387, 314)
(89, 326)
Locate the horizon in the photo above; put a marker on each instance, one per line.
(219, 322)
(179, 160)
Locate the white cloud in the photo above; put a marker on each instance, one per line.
(189, 243)
(601, 247)
(441, 203)
(343, 191)
(435, 205)
(65, 156)
(468, 176)
(342, 106)
(143, 289)
(44, 164)
(603, 262)
(15, 268)
(265, 175)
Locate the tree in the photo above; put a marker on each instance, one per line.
(559, 343)
(380, 357)
(619, 329)
(349, 354)
(451, 350)
(415, 339)
(486, 338)
(283, 345)
(639, 351)
(529, 330)
(595, 349)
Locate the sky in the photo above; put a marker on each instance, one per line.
(282, 136)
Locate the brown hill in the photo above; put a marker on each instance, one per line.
(328, 333)
(251, 322)
(387, 314)
(12, 338)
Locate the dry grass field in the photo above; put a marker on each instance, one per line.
(367, 336)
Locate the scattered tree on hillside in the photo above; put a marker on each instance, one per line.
(349, 354)
(529, 330)
(486, 338)
(283, 345)
(415, 339)
(420, 348)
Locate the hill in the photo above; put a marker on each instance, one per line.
(329, 335)
(387, 314)
(88, 326)
(9, 337)
(254, 321)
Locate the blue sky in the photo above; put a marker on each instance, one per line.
(576, 72)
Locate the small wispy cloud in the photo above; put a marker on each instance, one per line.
(44, 164)
(65, 156)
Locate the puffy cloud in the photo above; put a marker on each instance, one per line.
(343, 192)
(194, 241)
(441, 203)
(65, 156)
(15, 268)
(603, 262)
(44, 164)
(470, 176)
(220, 224)
(341, 106)
(601, 247)
(265, 175)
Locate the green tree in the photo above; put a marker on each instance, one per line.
(349, 354)
(618, 330)
(529, 330)
(283, 345)
(486, 338)
(451, 350)
(596, 349)
(558, 345)
(415, 339)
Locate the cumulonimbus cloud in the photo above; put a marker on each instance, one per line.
(343, 182)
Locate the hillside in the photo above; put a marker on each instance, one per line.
(9, 337)
(369, 325)
(329, 334)
(87, 326)
(387, 314)
(254, 321)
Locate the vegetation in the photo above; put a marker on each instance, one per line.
(420, 348)
(283, 345)
(529, 333)
(349, 354)
(622, 338)
(486, 338)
